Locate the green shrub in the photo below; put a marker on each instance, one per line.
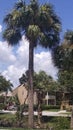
(26, 108)
(2, 106)
(2, 99)
(61, 123)
(48, 107)
(43, 107)
(58, 123)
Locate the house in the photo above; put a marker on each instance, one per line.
(7, 94)
(22, 93)
(50, 99)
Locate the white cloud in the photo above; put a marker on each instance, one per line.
(6, 54)
(17, 63)
(0, 28)
(22, 53)
(43, 61)
(13, 73)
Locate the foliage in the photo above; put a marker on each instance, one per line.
(63, 59)
(20, 128)
(41, 81)
(24, 78)
(62, 123)
(50, 107)
(2, 106)
(42, 28)
(20, 110)
(66, 80)
(2, 98)
(5, 84)
(63, 54)
(56, 122)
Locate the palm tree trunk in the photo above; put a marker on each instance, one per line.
(30, 99)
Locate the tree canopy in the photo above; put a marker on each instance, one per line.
(63, 54)
(38, 22)
(5, 84)
(63, 59)
(41, 81)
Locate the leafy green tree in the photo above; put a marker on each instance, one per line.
(40, 25)
(42, 83)
(66, 80)
(63, 57)
(45, 82)
(5, 85)
(63, 54)
(24, 78)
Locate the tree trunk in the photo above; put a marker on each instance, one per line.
(71, 124)
(40, 97)
(30, 99)
(63, 102)
(39, 114)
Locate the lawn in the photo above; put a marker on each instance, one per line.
(19, 129)
(11, 129)
(26, 129)
(8, 119)
(6, 116)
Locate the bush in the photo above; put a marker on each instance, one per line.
(58, 123)
(61, 123)
(45, 107)
(2, 106)
(26, 107)
(10, 120)
(2, 99)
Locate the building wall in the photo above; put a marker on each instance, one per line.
(22, 94)
(50, 99)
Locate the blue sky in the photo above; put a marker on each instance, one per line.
(14, 63)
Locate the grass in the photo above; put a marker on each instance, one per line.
(52, 110)
(19, 129)
(11, 128)
(26, 129)
(7, 116)
(49, 121)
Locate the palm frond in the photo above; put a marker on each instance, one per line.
(12, 36)
(20, 4)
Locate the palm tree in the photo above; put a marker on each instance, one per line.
(40, 25)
